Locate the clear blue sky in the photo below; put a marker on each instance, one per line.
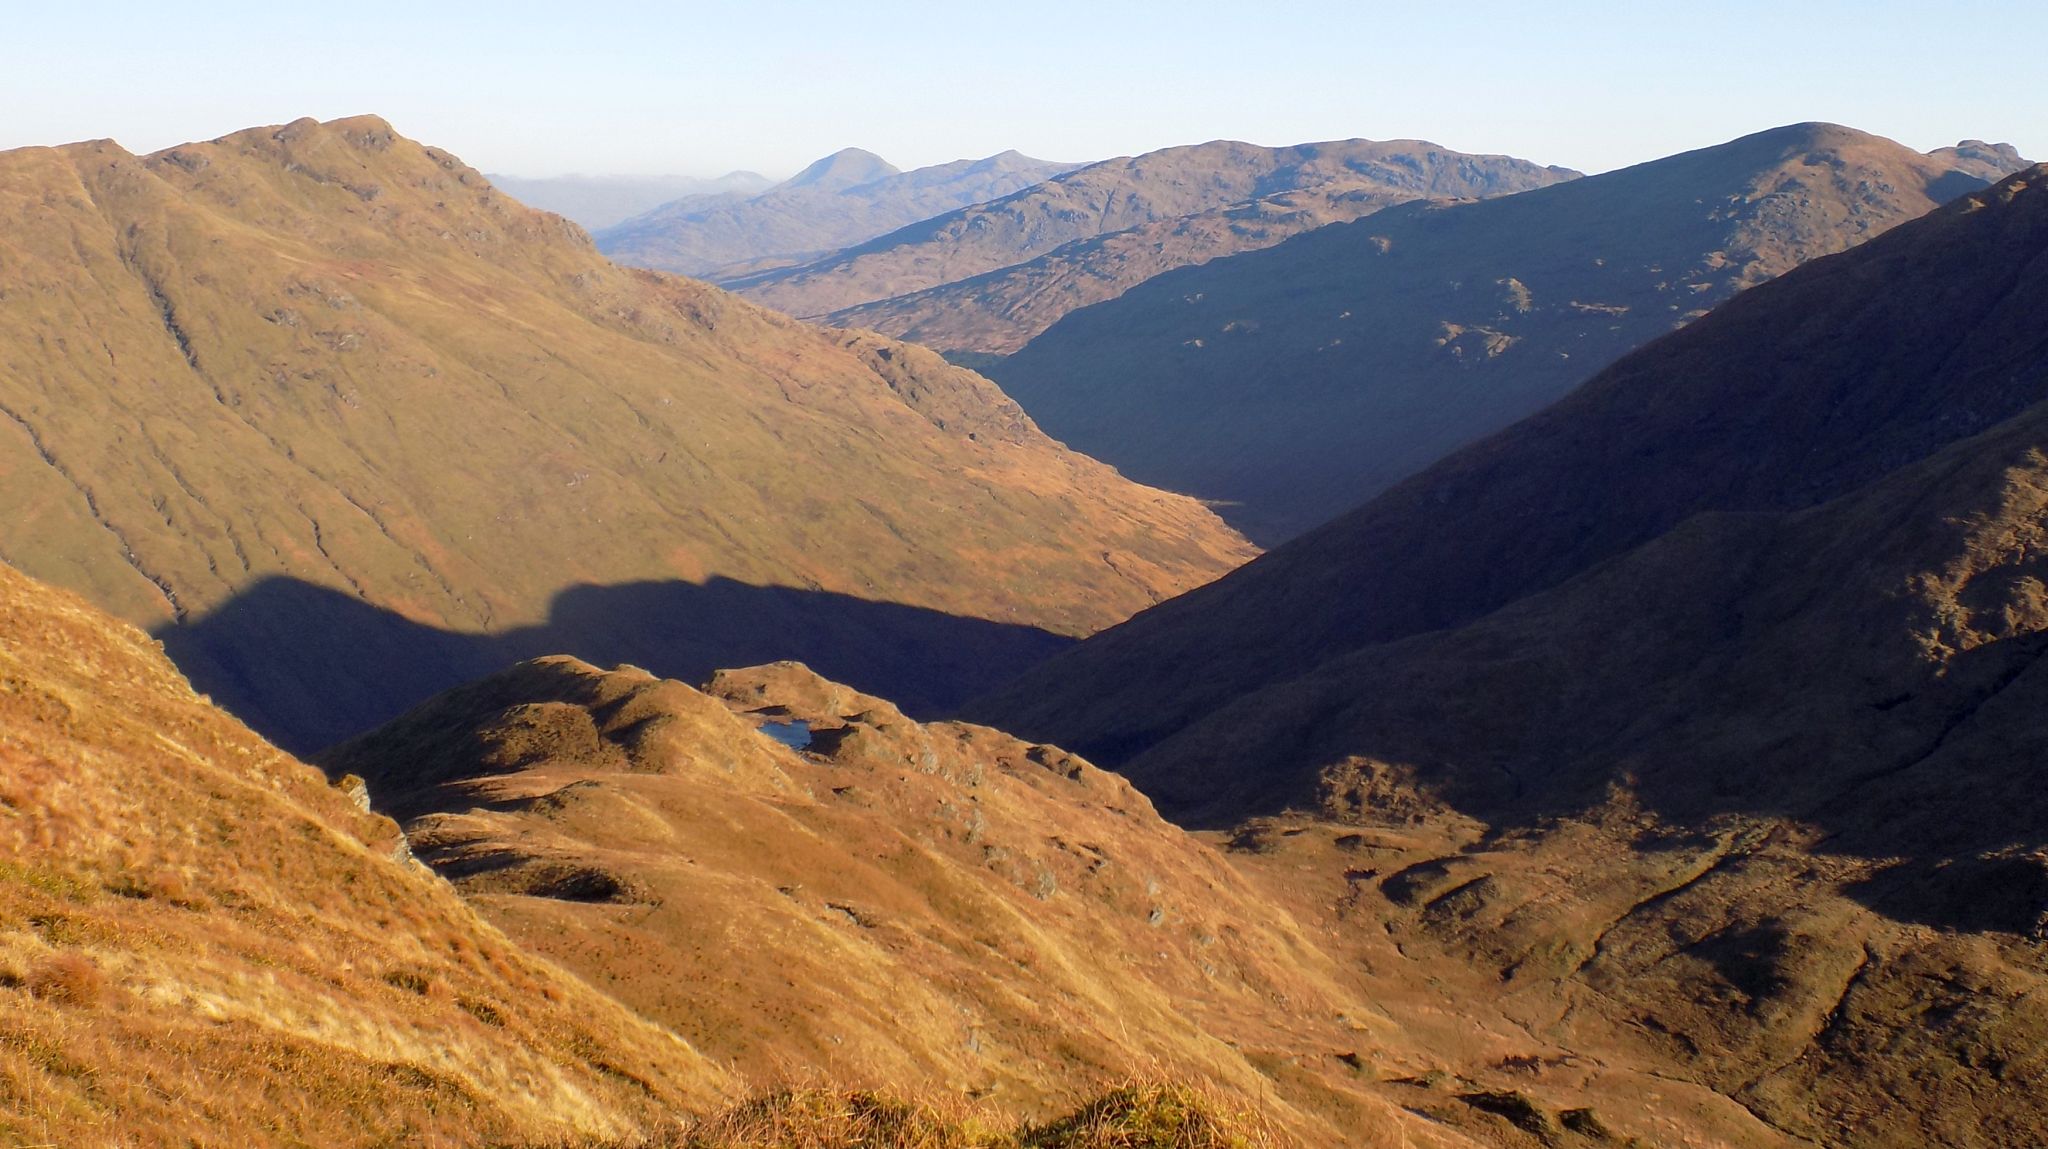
(610, 86)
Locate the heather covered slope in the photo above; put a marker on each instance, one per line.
(1293, 384)
(1115, 195)
(1791, 394)
(202, 942)
(846, 198)
(328, 354)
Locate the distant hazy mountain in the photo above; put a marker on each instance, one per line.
(1293, 383)
(1115, 195)
(601, 201)
(997, 313)
(846, 198)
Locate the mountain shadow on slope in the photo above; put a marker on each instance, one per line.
(1789, 395)
(307, 666)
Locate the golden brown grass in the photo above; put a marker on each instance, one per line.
(68, 977)
(202, 943)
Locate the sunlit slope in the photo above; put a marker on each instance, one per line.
(327, 353)
(202, 942)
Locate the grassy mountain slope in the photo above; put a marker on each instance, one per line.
(1116, 195)
(202, 942)
(947, 908)
(846, 198)
(326, 353)
(1294, 383)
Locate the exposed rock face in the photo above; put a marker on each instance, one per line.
(202, 942)
(1706, 707)
(1293, 384)
(349, 427)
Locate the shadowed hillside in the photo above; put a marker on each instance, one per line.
(1292, 384)
(1800, 391)
(1706, 706)
(326, 353)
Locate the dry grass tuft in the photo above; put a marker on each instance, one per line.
(832, 1119)
(1153, 1116)
(69, 977)
(1138, 1116)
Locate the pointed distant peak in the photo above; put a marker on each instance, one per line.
(845, 168)
(1012, 158)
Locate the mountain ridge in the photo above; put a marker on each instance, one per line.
(598, 201)
(1111, 196)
